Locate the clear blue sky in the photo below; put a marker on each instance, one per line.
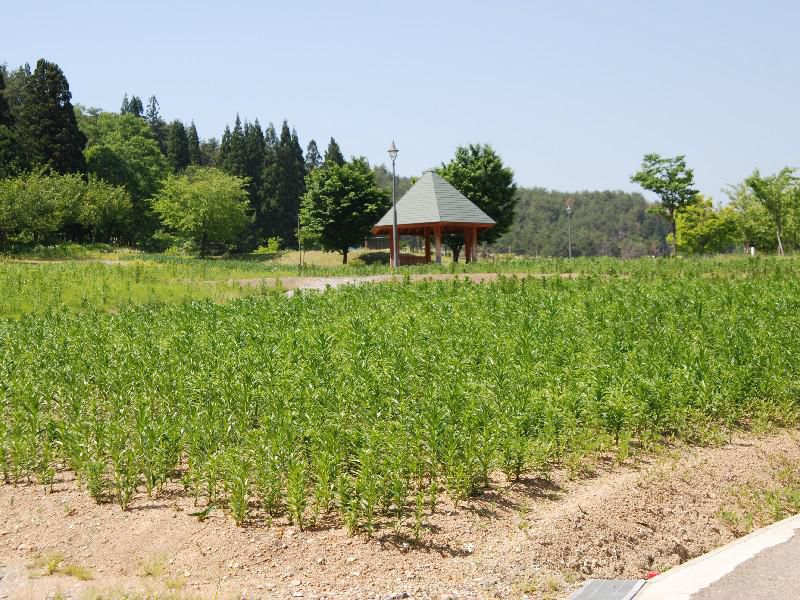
(570, 93)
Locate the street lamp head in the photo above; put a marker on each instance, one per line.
(393, 151)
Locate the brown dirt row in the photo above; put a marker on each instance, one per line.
(534, 538)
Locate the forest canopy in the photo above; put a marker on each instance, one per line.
(608, 223)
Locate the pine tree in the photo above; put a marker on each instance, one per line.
(126, 105)
(135, 106)
(231, 151)
(15, 82)
(6, 118)
(266, 220)
(253, 154)
(157, 124)
(177, 147)
(313, 157)
(10, 157)
(195, 155)
(152, 114)
(224, 149)
(46, 124)
(289, 186)
(333, 154)
(209, 152)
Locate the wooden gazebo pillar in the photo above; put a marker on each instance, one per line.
(468, 233)
(437, 231)
(391, 248)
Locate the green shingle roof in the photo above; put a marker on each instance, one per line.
(434, 200)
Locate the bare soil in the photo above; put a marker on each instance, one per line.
(292, 283)
(533, 538)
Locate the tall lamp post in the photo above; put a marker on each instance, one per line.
(569, 210)
(395, 238)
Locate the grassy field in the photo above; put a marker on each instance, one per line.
(367, 403)
(75, 278)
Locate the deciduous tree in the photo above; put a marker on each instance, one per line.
(477, 171)
(204, 205)
(778, 194)
(672, 181)
(123, 152)
(340, 205)
(40, 207)
(702, 229)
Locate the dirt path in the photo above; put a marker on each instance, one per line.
(534, 538)
(291, 283)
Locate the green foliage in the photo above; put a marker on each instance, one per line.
(133, 106)
(313, 159)
(157, 125)
(38, 207)
(193, 140)
(703, 230)
(779, 194)
(204, 205)
(10, 151)
(46, 124)
(333, 154)
(237, 473)
(671, 180)
(754, 223)
(289, 185)
(178, 155)
(477, 171)
(383, 179)
(603, 223)
(6, 118)
(354, 402)
(122, 151)
(341, 203)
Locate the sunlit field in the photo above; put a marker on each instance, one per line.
(364, 405)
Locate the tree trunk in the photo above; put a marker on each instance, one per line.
(203, 245)
(456, 252)
(344, 256)
(780, 243)
(674, 235)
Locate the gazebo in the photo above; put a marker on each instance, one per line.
(434, 207)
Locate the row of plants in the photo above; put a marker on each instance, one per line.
(363, 405)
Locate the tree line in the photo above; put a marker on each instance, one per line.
(71, 173)
(135, 153)
(607, 223)
(764, 210)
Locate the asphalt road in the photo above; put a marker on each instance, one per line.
(773, 573)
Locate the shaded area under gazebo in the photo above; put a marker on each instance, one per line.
(432, 208)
